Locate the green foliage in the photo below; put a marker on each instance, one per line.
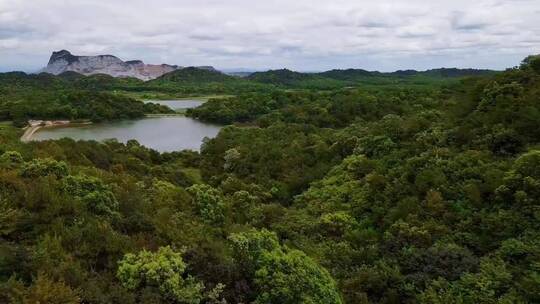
(336, 223)
(43, 167)
(292, 277)
(48, 97)
(193, 75)
(95, 195)
(209, 203)
(11, 159)
(528, 165)
(489, 285)
(164, 270)
(344, 78)
(406, 187)
(9, 217)
(281, 275)
(288, 78)
(45, 290)
(42, 290)
(532, 62)
(248, 247)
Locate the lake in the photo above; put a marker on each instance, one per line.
(164, 134)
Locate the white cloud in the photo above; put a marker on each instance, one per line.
(301, 34)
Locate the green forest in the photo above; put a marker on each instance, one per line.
(345, 186)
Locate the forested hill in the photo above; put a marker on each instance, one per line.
(358, 74)
(387, 194)
(195, 79)
(351, 77)
(45, 96)
(282, 77)
(194, 75)
(67, 96)
(347, 74)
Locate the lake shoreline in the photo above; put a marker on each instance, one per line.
(36, 125)
(203, 98)
(162, 133)
(164, 115)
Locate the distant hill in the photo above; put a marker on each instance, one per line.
(345, 77)
(442, 72)
(283, 77)
(358, 74)
(194, 75)
(455, 72)
(348, 74)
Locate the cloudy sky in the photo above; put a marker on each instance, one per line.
(305, 35)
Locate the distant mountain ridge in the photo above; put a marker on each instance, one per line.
(288, 77)
(63, 61)
(349, 74)
(442, 72)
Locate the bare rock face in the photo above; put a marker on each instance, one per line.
(63, 61)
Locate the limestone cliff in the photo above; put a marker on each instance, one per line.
(63, 61)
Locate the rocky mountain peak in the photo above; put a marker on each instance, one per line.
(62, 55)
(64, 61)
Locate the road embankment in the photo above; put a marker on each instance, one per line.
(28, 132)
(35, 125)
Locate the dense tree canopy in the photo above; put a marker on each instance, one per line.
(162, 270)
(403, 193)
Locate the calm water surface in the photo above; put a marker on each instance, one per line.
(163, 134)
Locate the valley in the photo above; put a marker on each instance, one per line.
(345, 186)
(162, 132)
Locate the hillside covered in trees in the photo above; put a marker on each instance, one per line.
(68, 96)
(396, 189)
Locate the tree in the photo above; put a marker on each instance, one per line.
(292, 277)
(11, 159)
(248, 247)
(532, 62)
(243, 203)
(505, 142)
(9, 217)
(163, 270)
(336, 223)
(528, 165)
(231, 157)
(209, 203)
(491, 285)
(46, 290)
(96, 196)
(43, 167)
(522, 184)
(282, 275)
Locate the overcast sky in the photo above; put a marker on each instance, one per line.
(305, 35)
